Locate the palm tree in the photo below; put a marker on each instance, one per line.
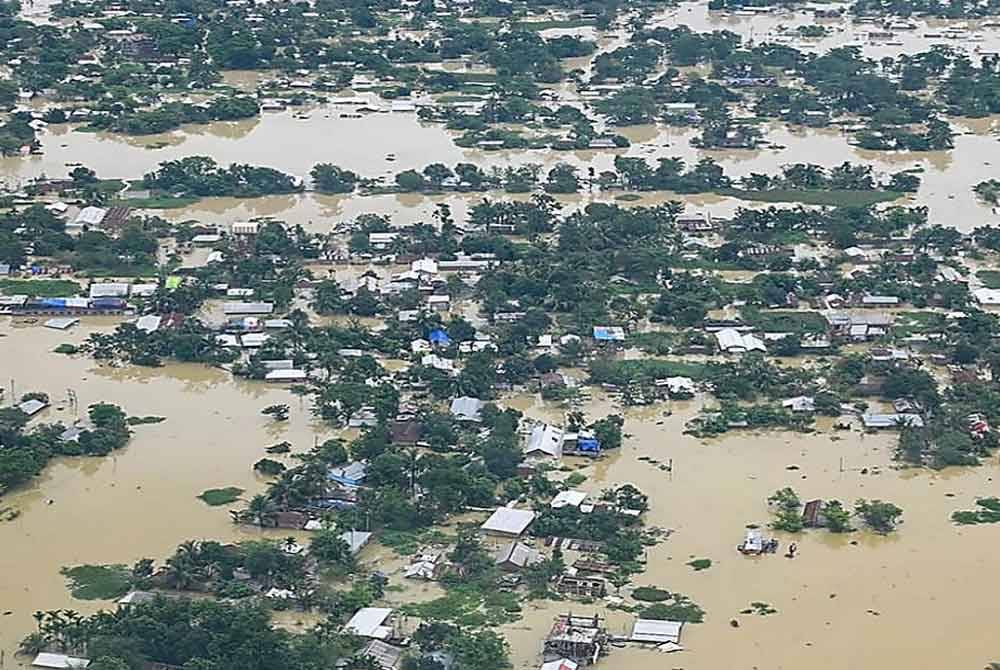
(260, 509)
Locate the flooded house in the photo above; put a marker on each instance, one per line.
(582, 639)
(544, 442)
(371, 622)
(581, 585)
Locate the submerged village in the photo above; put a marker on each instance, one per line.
(498, 334)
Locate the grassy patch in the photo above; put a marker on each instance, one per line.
(575, 479)
(678, 608)
(142, 420)
(650, 594)
(990, 278)
(700, 564)
(216, 497)
(827, 198)
(97, 582)
(406, 543)
(466, 605)
(988, 512)
(66, 349)
(785, 321)
(39, 288)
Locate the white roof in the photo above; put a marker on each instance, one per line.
(652, 630)
(90, 216)
(428, 265)
(285, 375)
(247, 308)
(561, 664)
(149, 323)
(109, 290)
(206, 238)
(987, 296)
(545, 439)
(355, 539)
(368, 622)
(509, 521)
(568, 499)
(32, 407)
(730, 339)
(62, 322)
(47, 660)
(254, 339)
(143, 289)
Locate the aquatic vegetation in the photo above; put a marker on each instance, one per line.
(700, 564)
(98, 582)
(223, 496)
(988, 512)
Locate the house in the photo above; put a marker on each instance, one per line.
(370, 622)
(362, 418)
(880, 421)
(356, 540)
(508, 522)
(811, 513)
(136, 598)
(90, 216)
(544, 441)
(581, 639)
(987, 296)
(381, 241)
(656, 631)
(879, 301)
(149, 323)
(732, 341)
(439, 303)
(560, 664)
(109, 290)
(33, 406)
(467, 409)
(425, 566)
(584, 586)
(352, 474)
(802, 403)
(388, 657)
(568, 499)
(285, 375)
(247, 308)
(516, 556)
(47, 660)
(609, 333)
(62, 322)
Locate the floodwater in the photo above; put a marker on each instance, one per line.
(850, 600)
(140, 502)
(919, 598)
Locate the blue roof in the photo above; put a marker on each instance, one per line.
(588, 444)
(438, 337)
(608, 334)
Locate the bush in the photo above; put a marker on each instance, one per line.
(650, 594)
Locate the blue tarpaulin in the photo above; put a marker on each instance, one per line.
(439, 337)
(588, 444)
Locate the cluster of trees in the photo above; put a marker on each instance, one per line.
(23, 454)
(878, 515)
(202, 176)
(174, 114)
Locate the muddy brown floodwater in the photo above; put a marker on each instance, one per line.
(140, 502)
(855, 600)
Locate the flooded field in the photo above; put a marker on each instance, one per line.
(140, 502)
(873, 590)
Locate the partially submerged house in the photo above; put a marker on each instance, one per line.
(352, 474)
(580, 639)
(656, 631)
